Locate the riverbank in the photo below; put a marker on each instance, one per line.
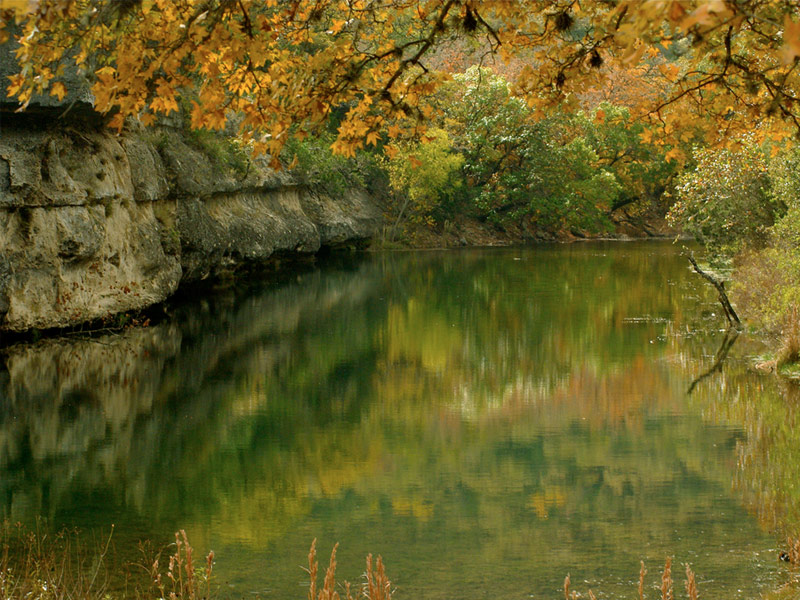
(100, 227)
(466, 231)
(34, 566)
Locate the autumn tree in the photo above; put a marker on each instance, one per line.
(427, 176)
(285, 66)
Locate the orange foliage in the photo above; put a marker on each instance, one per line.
(284, 66)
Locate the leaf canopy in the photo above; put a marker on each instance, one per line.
(286, 66)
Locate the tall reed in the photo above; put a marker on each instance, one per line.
(666, 581)
(642, 573)
(182, 580)
(691, 584)
(666, 588)
(376, 584)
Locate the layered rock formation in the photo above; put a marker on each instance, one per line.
(95, 224)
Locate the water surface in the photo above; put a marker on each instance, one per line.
(488, 421)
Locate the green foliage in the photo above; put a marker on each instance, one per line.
(785, 184)
(428, 175)
(555, 172)
(312, 161)
(226, 152)
(519, 167)
(767, 280)
(726, 201)
(623, 148)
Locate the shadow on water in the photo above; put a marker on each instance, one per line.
(488, 421)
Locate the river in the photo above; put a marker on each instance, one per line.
(488, 421)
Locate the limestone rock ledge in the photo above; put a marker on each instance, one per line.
(93, 224)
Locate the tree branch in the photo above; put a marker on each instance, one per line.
(730, 314)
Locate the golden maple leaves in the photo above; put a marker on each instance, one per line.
(286, 67)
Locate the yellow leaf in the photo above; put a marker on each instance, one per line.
(633, 57)
(676, 155)
(59, 90)
(676, 12)
(15, 84)
(19, 5)
(791, 39)
(117, 121)
(670, 71)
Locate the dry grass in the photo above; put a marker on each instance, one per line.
(182, 579)
(45, 566)
(666, 588)
(642, 573)
(666, 581)
(376, 585)
(41, 566)
(691, 584)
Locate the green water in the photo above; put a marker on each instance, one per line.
(488, 421)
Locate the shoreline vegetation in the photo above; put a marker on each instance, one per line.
(63, 566)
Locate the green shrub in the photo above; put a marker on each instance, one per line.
(225, 152)
(726, 201)
(767, 280)
(557, 171)
(426, 176)
(314, 164)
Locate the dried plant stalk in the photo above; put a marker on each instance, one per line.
(378, 586)
(666, 581)
(312, 571)
(642, 573)
(691, 584)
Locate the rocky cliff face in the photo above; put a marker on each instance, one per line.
(95, 224)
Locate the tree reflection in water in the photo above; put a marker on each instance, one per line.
(486, 420)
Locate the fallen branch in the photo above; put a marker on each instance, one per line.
(730, 314)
